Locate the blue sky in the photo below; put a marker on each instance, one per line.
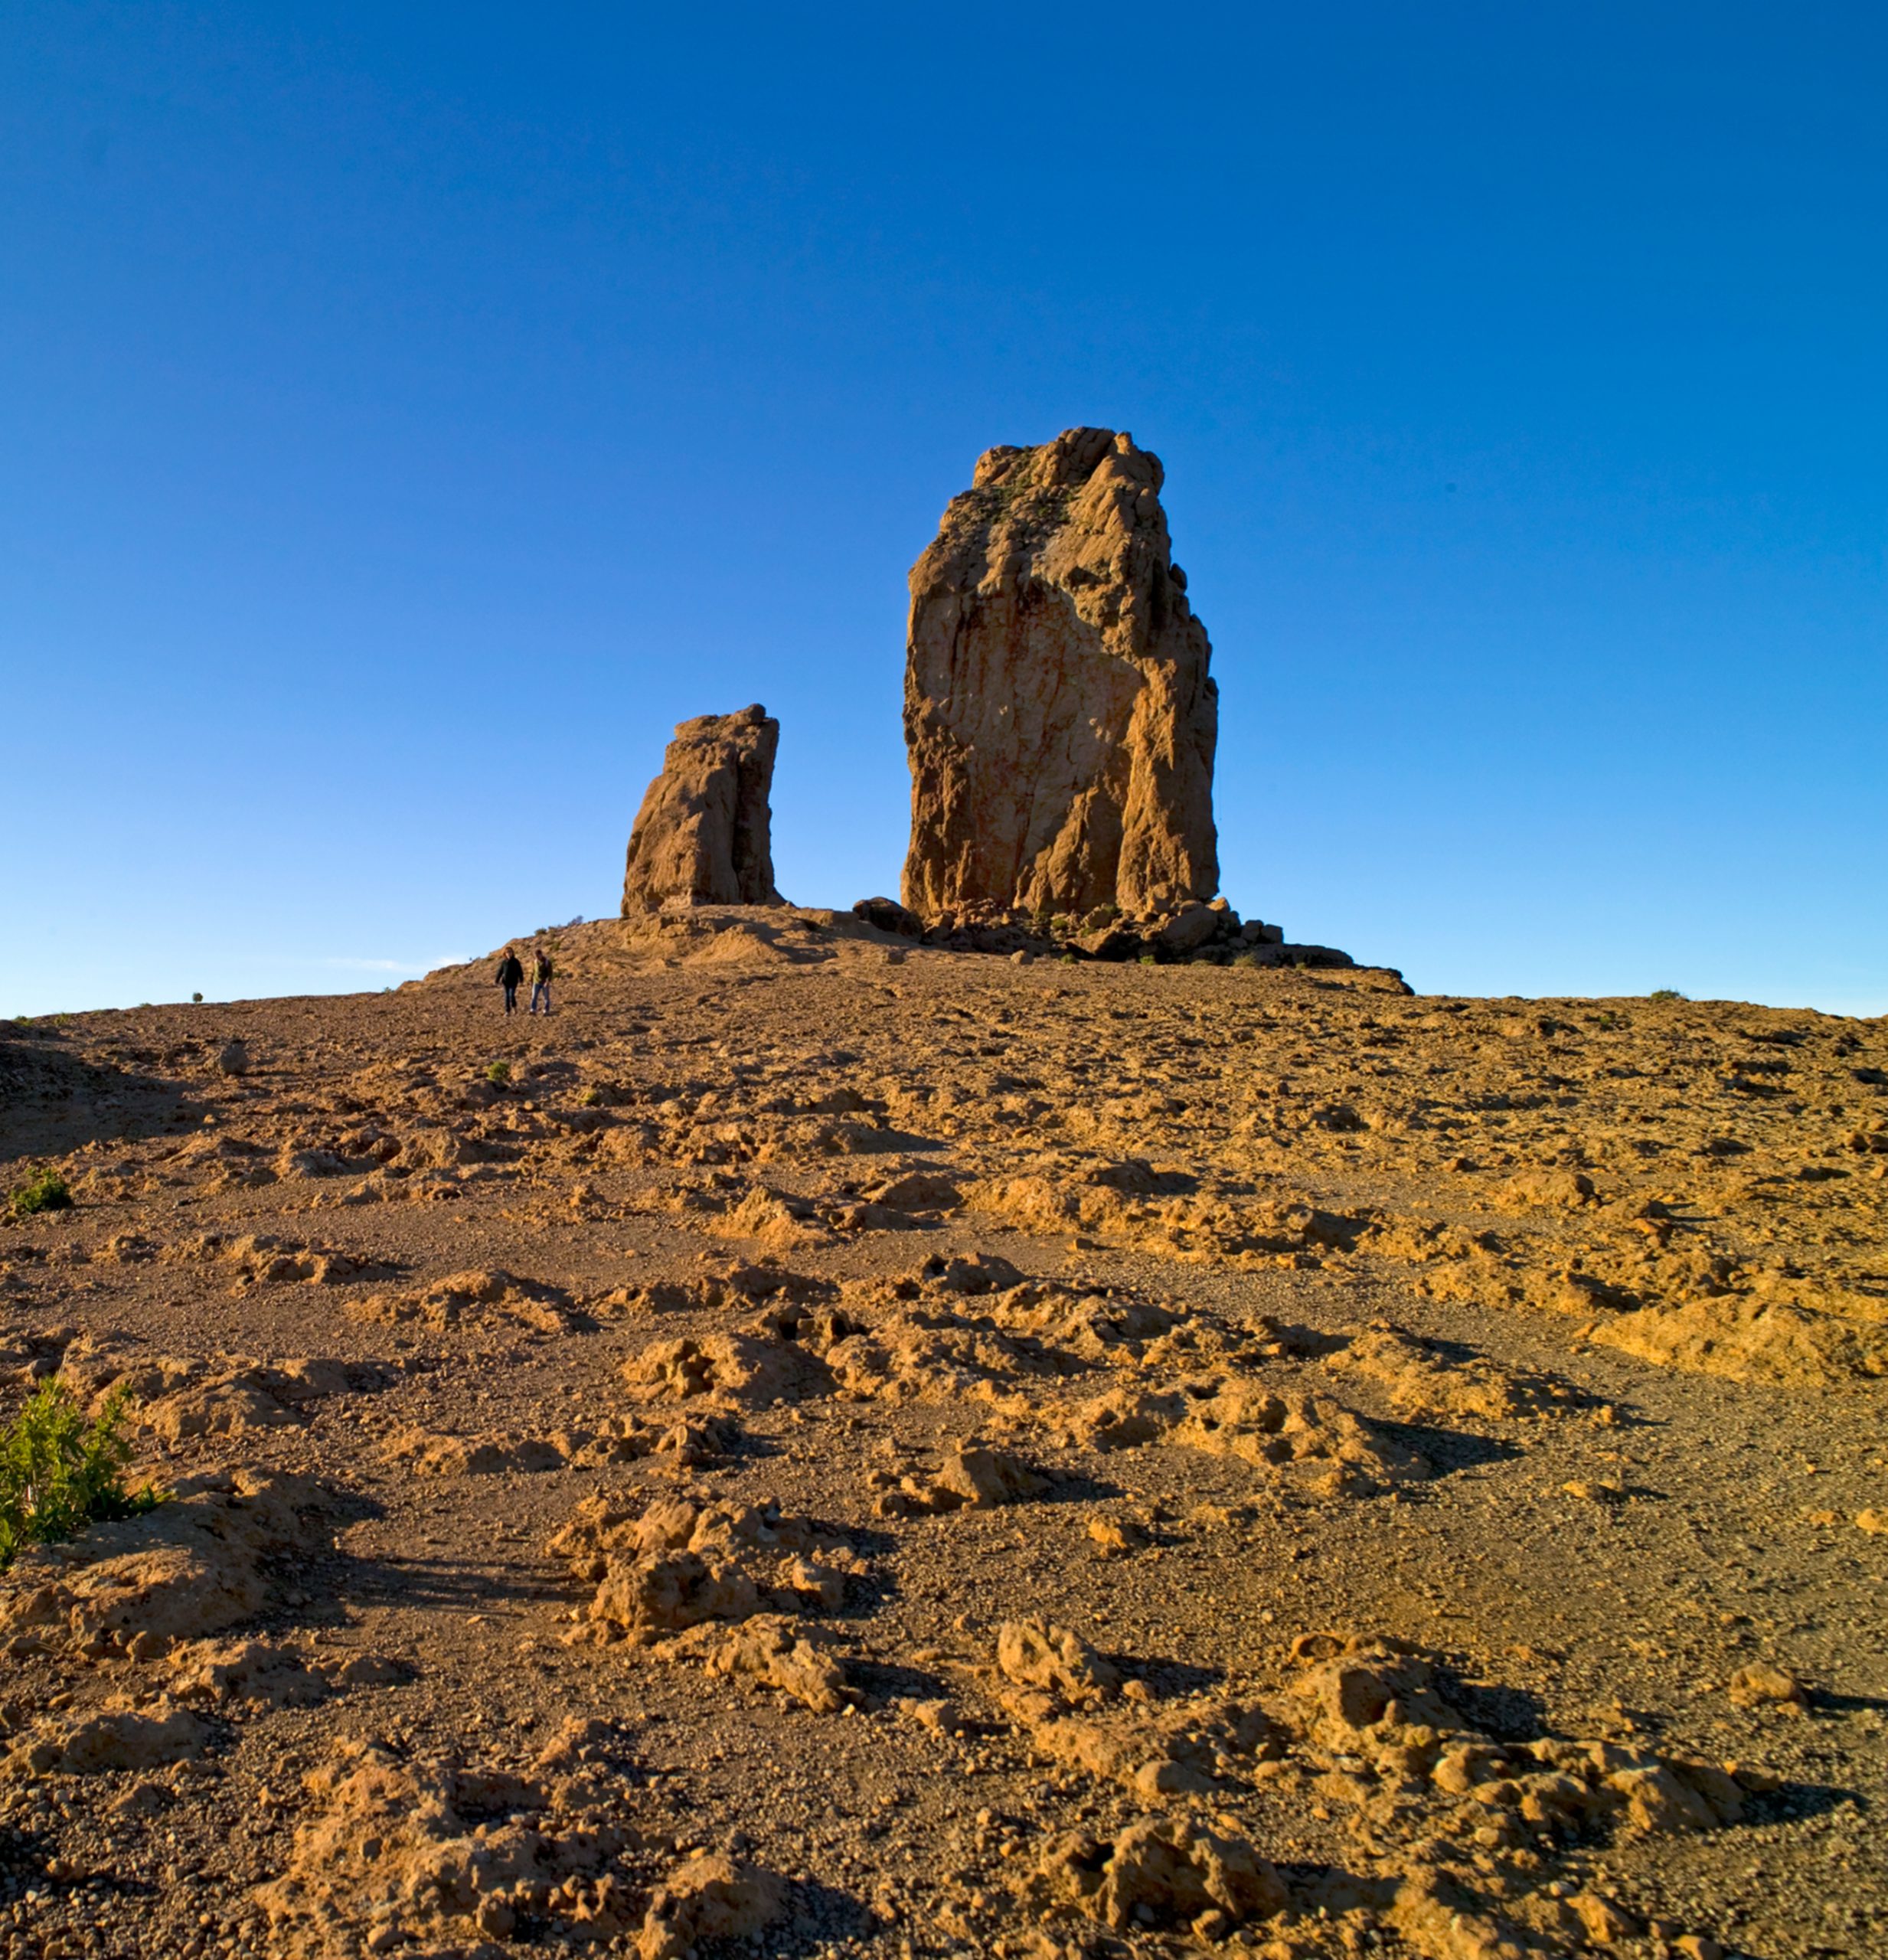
(409, 414)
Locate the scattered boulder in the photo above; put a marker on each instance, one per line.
(674, 1563)
(889, 917)
(1164, 1873)
(1746, 1340)
(477, 1298)
(397, 1850)
(1036, 1653)
(703, 834)
(199, 1563)
(1284, 1430)
(970, 1476)
(427, 1454)
(119, 1739)
(1762, 1684)
(711, 1897)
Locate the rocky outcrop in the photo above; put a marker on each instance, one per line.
(703, 834)
(1059, 715)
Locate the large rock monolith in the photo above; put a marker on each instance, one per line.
(703, 835)
(1059, 716)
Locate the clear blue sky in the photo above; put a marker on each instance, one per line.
(408, 413)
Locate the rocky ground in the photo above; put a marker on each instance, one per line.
(821, 1448)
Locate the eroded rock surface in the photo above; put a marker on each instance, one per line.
(1059, 714)
(815, 1453)
(703, 835)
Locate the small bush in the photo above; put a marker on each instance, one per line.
(196, 1000)
(45, 1191)
(1148, 959)
(498, 1074)
(58, 1473)
(591, 1098)
(1664, 994)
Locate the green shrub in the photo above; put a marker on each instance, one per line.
(498, 1074)
(45, 1191)
(58, 1473)
(1664, 994)
(591, 1098)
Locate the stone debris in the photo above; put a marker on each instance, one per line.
(196, 1564)
(675, 1563)
(1750, 1340)
(1284, 1430)
(704, 833)
(428, 1454)
(1131, 1205)
(476, 1298)
(119, 1739)
(730, 1370)
(1378, 1705)
(260, 1672)
(1158, 1752)
(771, 1650)
(1421, 1378)
(1056, 1660)
(710, 1897)
(400, 1850)
(970, 1475)
(951, 1373)
(1164, 1874)
(262, 1258)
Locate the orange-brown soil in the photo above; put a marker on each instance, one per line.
(852, 1451)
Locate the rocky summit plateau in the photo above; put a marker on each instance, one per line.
(1037, 1418)
(830, 1444)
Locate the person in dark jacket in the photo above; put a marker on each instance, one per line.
(541, 971)
(510, 972)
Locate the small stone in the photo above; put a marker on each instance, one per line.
(1761, 1685)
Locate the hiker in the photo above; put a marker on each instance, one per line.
(511, 972)
(541, 971)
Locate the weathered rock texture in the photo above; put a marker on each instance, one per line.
(1059, 715)
(703, 834)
